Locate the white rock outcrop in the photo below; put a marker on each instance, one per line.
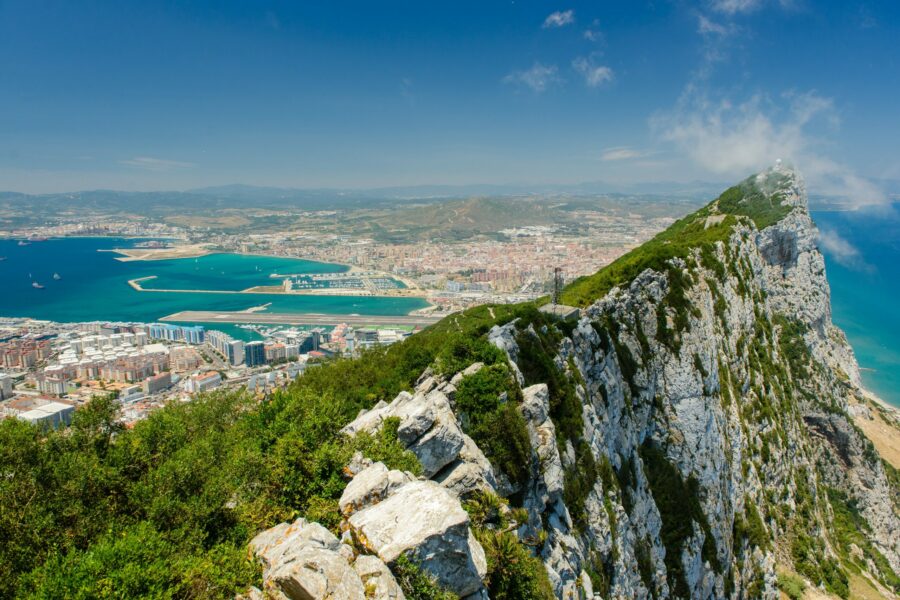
(305, 561)
(426, 522)
(428, 427)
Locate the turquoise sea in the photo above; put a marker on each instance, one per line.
(863, 268)
(93, 285)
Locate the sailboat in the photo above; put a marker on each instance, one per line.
(56, 276)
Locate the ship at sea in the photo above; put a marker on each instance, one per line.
(23, 243)
(36, 285)
(56, 276)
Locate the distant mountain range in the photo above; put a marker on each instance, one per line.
(241, 196)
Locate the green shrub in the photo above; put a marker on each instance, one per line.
(140, 563)
(792, 586)
(513, 573)
(644, 560)
(416, 583)
(498, 428)
(764, 207)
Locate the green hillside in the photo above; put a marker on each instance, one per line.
(758, 201)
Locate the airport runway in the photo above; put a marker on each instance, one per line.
(208, 316)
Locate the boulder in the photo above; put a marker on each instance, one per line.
(425, 521)
(280, 543)
(305, 561)
(371, 486)
(471, 472)
(315, 574)
(427, 427)
(377, 579)
(470, 370)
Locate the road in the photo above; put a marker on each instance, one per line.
(206, 316)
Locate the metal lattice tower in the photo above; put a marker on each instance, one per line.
(557, 284)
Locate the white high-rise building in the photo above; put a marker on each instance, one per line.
(6, 387)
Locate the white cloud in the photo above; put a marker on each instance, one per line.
(593, 34)
(735, 139)
(706, 26)
(560, 18)
(539, 77)
(842, 251)
(621, 153)
(594, 75)
(155, 164)
(732, 7)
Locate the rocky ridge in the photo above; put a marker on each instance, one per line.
(688, 438)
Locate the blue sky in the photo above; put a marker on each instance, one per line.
(149, 95)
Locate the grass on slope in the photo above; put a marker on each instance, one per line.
(759, 201)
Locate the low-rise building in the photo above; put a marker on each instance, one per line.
(203, 383)
(40, 411)
(157, 383)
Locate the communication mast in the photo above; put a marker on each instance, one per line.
(557, 284)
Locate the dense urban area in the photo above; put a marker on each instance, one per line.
(49, 368)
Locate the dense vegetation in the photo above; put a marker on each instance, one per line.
(182, 493)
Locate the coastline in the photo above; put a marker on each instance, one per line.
(880, 422)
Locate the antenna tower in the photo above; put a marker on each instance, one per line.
(557, 284)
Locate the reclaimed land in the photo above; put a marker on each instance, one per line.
(273, 289)
(205, 316)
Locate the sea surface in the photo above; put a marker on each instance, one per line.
(93, 285)
(862, 262)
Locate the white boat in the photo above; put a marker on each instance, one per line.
(56, 276)
(36, 285)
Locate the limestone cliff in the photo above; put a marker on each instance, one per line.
(687, 436)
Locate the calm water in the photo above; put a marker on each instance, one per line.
(93, 285)
(865, 289)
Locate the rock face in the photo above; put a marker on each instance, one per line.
(305, 561)
(744, 401)
(428, 426)
(693, 421)
(423, 520)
